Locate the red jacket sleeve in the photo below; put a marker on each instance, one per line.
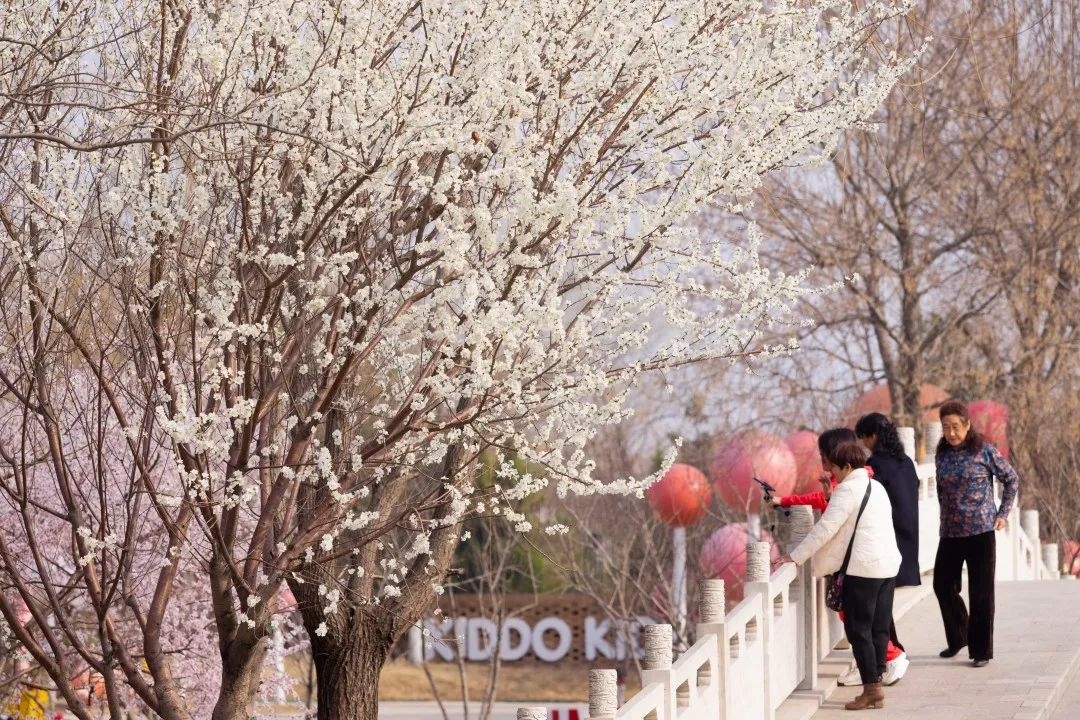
(815, 500)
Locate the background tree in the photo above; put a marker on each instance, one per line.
(958, 211)
(322, 258)
(894, 206)
(1024, 350)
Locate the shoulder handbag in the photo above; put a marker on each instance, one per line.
(834, 584)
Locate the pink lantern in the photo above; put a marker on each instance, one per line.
(877, 399)
(750, 455)
(808, 470)
(991, 420)
(724, 556)
(681, 496)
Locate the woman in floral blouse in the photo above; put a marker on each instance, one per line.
(966, 468)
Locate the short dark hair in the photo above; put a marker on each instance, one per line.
(848, 453)
(974, 441)
(828, 440)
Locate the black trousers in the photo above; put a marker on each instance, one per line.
(867, 616)
(977, 629)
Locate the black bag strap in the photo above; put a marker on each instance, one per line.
(847, 555)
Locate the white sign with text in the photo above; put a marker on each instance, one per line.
(549, 639)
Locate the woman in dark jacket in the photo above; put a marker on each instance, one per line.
(966, 468)
(896, 471)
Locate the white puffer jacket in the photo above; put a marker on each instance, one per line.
(874, 553)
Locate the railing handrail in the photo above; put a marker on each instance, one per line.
(644, 701)
(701, 652)
(786, 574)
(740, 616)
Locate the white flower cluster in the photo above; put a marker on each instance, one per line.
(93, 545)
(402, 234)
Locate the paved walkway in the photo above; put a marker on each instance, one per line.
(1035, 674)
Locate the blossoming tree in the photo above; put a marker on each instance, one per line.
(307, 261)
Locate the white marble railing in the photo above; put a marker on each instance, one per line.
(747, 661)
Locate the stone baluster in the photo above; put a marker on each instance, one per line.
(712, 606)
(603, 694)
(758, 572)
(795, 525)
(416, 643)
(1051, 560)
(656, 641)
(712, 612)
(656, 665)
(1029, 522)
(931, 440)
(757, 562)
(907, 438)
(800, 522)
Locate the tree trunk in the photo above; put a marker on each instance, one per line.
(241, 673)
(347, 666)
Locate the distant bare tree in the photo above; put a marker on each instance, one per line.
(894, 205)
(1025, 351)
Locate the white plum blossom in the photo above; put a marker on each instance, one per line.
(314, 262)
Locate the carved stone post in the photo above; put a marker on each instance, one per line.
(1029, 521)
(656, 665)
(801, 521)
(603, 694)
(416, 643)
(907, 437)
(1051, 560)
(757, 562)
(712, 605)
(931, 440)
(656, 641)
(712, 612)
(758, 571)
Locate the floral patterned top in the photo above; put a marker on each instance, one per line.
(965, 490)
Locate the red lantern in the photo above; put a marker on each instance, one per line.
(750, 455)
(877, 399)
(991, 419)
(808, 470)
(724, 556)
(681, 496)
(1070, 563)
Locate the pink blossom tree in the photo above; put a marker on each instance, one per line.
(306, 262)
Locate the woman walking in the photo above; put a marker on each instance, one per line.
(858, 518)
(896, 472)
(966, 468)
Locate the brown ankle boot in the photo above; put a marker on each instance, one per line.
(873, 696)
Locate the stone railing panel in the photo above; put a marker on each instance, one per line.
(744, 634)
(783, 639)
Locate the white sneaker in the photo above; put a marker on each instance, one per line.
(851, 677)
(895, 669)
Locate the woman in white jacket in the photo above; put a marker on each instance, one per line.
(875, 559)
